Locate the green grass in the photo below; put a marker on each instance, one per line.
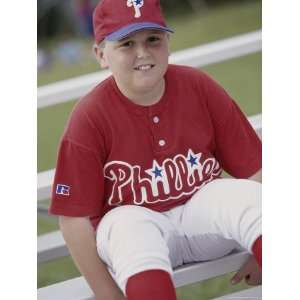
(221, 22)
(56, 271)
(241, 77)
(51, 122)
(45, 225)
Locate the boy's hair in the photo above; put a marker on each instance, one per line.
(116, 19)
(101, 45)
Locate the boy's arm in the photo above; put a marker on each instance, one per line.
(81, 241)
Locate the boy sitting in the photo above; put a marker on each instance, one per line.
(138, 184)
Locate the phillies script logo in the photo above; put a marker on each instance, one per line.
(182, 175)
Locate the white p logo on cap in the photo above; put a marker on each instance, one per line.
(137, 4)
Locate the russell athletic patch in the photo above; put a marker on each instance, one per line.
(62, 189)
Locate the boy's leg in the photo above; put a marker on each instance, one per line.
(131, 240)
(257, 250)
(223, 213)
(149, 285)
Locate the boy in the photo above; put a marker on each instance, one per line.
(141, 160)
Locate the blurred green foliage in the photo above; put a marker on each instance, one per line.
(59, 18)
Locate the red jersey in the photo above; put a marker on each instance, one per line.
(115, 152)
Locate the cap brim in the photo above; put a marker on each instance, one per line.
(127, 30)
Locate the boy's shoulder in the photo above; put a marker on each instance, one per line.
(98, 95)
(183, 69)
(182, 72)
(96, 99)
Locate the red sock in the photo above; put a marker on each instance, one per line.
(257, 250)
(150, 285)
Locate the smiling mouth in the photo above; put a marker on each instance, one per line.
(144, 67)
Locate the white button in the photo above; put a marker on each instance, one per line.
(156, 119)
(162, 142)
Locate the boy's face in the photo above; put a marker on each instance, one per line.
(138, 62)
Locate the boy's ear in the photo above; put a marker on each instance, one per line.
(168, 41)
(99, 54)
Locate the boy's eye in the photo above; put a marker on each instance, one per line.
(153, 39)
(127, 44)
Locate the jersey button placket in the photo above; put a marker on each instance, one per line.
(156, 119)
(161, 142)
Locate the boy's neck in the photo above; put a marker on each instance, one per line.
(144, 98)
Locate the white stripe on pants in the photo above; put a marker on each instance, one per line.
(225, 214)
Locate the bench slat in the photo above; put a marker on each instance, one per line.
(196, 272)
(78, 289)
(251, 293)
(73, 289)
(45, 180)
(51, 246)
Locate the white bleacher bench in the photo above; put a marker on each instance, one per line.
(253, 293)
(78, 289)
(52, 245)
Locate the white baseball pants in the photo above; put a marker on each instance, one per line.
(225, 214)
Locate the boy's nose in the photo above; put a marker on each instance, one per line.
(142, 52)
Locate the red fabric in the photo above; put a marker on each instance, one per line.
(112, 15)
(257, 250)
(150, 285)
(111, 152)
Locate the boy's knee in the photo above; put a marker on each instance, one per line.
(231, 197)
(127, 231)
(225, 196)
(120, 220)
(118, 223)
(129, 241)
(234, 190)
(240, 210)
(124, 213)
(230, 208)
(235, 198)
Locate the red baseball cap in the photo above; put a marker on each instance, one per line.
(116, 19)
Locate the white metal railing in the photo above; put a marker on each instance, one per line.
(203, 55)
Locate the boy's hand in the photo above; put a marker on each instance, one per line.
(250, 271)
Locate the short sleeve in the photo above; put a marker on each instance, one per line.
(78, 182)
(238, 148)
(78, 186)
